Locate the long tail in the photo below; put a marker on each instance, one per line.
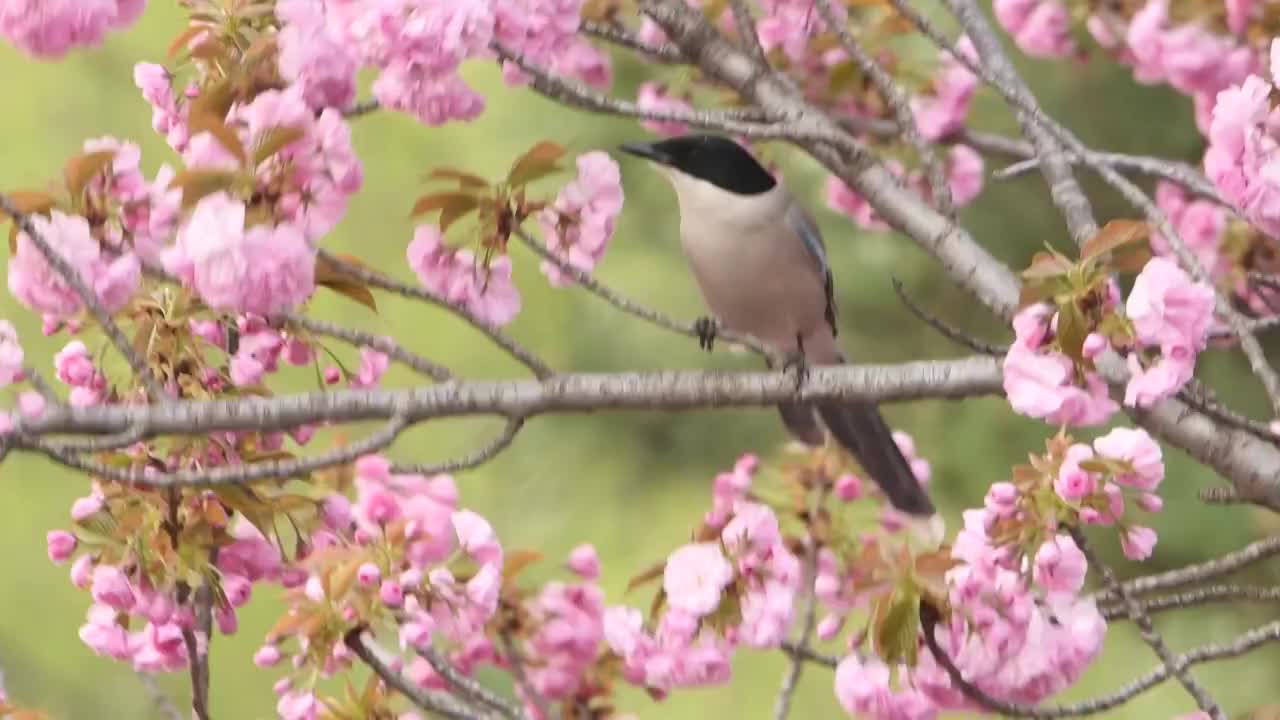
(860, 428)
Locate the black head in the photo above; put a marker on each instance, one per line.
(713, 158)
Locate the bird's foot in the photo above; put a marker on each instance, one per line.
(707, 328)
(797, 364)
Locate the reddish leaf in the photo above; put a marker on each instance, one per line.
(1131, 259)
(649, 575)
(440, 201)
(217, 127)
(179, 43)
(1034, 292)
(1047, 265)
(26, 202)
(455, 211)
(197, 184)
(1114, 234)
(465, 179)
(214, 100)
(82, 168)
(275, 140)
(516, 561)
(330, 276)
(538, 162)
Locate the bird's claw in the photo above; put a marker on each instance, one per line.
(797, 364)
(706, 328)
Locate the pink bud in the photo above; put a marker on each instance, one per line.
(1094, 345)
(829, 626)
(60, 544)
(1150, 502)
(85, 507)
(336, 512)
(111, 587)
(848, 487)
(391, 593)
(1002, 499)
(82, 572)
(411, 578)
(227, 620)
(237, 589)
(369, 574)
(373, 467)
(267, 656)
(314, 589)
(584, 562)
(332, 376)
(31, 404)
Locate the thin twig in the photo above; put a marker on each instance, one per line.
(198, 657)
(1147, 629)
(929, 618)
(104, 443)
(516, 662)
(361, 108)
(444, 704)
(481, 456)
(377, 279)
(87, 297)
(159, 698)
(810, 655)
(896, 98)
(1199, 572)
(809, 613)
(631, 307)
(381, 343)
(1196, 597)
(233, 474)
(944, 329)
(622, 37)
(469, 687)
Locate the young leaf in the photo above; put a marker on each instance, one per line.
(1046, 265)
(1114, 234)
(456, 210)
(226, 136)
(275, 140)
(214, 100)
(895, 626)
(28, 202)
(1072, 331)
(653, 572)
(516, 561)
(179, 43)
(82, 168)
(328, 275)
(1034, 292)
(540, 161)
(197, 184)
(464, 179)
(440, 201)
(1132, 259)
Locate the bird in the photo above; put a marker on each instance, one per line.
(761, 266)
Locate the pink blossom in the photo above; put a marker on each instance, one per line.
(314, 57)
(82, 572)
(297, 705)
(1060, 566)
(694, 577)
(579, 224)
(964, 174)
(483, 588)
(103, 635)
(944, 111)
(31, 404)
(1074, 483)
(1136, 448)
(111, 587)
(1187, 57)
(652, 96)
(1031, 325)
(373, 364)
(1137, 542)
(267, 656)
(73, 365)
(476, 537)
(862, 687)
(848, 487)
(1041, 28)
(390, 593)
(584, 562)
(1164, 379)
(456, 277)
(85, 507)
(1040, 386)
(335, 511)
(41, 288)
(1200, 223)
(48, 29)
(11, 355)
(60, 545)
(1168, 309)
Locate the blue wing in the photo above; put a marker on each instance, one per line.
(808, 232)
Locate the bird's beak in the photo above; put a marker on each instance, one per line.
(646, 151)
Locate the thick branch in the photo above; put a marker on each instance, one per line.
(443, 704)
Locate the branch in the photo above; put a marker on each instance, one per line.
(469, 687)
(381, 343)
(162, 702)
(196, 658)
(479, 457)
(747, 31)
(631, 307)
(1196, 597)
(522, 680)
(580, 392)
(444, 704)
(782, 706)
(1147, 629)
(929, 618)
(390, 284)
(1225, 565)
(619, 35)
(87, 297)
(950, 333)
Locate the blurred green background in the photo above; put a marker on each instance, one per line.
(633, 484)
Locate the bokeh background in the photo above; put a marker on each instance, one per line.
(632, 483)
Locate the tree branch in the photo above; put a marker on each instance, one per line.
(469, 687)
(1196, 597)
(490, 450)
(1198, 572)
(381, 343)
(444, 704)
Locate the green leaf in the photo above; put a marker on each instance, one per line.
(896, 626)
(274, 140)
(1113, 235)
(218, 128)
(541, 160)
(198, 184)
(1072, 331)
(82, 168)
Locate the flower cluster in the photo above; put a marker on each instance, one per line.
(579, 224)
(1042, 382)
(36, 284)
(48, 30)
(456, 276)
(1242, 151)
(1174, 314)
